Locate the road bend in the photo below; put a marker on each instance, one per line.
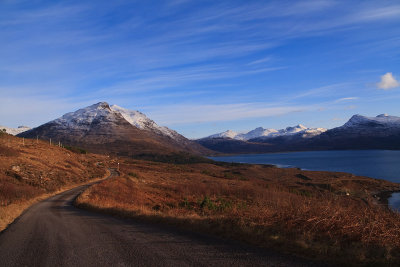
(55, 233)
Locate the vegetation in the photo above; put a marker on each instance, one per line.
(31, 170)
(174, 158)
(133, 174)
(330, 216)
(323, 215)
(77, 150)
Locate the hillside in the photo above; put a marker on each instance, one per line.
(361, 132)
(30, 169)
(102, 128)
(321, 215)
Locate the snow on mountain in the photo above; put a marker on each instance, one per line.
(102, 128)
(82, 119)
(301, 130)
(142, 122)
(311, 132)
(227, 134)
(101, 112)
(383, 120)
(293, 130)
(15, 131)
(258, 132)
(261, 132)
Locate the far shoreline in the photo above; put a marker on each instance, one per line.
(382, 196)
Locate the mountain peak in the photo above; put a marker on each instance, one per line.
(382, 120)
(356, 119)
(104, 128)
(261, 132)
(355, 116)
(382, 115)
(296, 128)
(101, 105)
(226, 134)
(229, 133)
(15, 131)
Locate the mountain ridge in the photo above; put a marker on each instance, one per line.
(261, 132)
(103, 128)
(14, 131)
(359, 132)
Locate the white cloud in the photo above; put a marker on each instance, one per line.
(388, 82)
(346, 99)
(327, 90)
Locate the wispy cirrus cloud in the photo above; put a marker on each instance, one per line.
(198, 113)
(345, 99)
(219, 52)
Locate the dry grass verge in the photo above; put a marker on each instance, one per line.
(10, 212)
(321, 215)
(33, 170)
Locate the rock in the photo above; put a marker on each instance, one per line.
(16, 168)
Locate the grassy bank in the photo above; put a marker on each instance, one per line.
(321, 215)
(32, 170)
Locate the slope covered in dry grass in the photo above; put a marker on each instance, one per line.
(326, 215)
(31, 170)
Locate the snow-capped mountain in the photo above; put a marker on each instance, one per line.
(300, 130)
(15, 131)
(227, 134)
(83, 119)
(382, 120)
(360, 132)
(142, 122)
(366, 127)
(101, 127)
(261, 132)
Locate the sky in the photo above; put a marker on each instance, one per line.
(201, 67)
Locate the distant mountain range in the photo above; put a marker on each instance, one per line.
(360, 132)
(113, 129)
(270, 133)
(102, 128)
(14, 131)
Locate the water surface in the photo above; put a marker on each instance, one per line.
(381, 164)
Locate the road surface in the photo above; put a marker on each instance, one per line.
(55, 233)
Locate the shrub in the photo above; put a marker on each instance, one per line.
(175, 158)
(132, 174)
(77, 150)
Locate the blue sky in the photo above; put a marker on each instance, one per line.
(201, 67)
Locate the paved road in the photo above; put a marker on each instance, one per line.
(55, 233)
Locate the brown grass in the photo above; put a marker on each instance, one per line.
(331, 216)
(31, 171)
